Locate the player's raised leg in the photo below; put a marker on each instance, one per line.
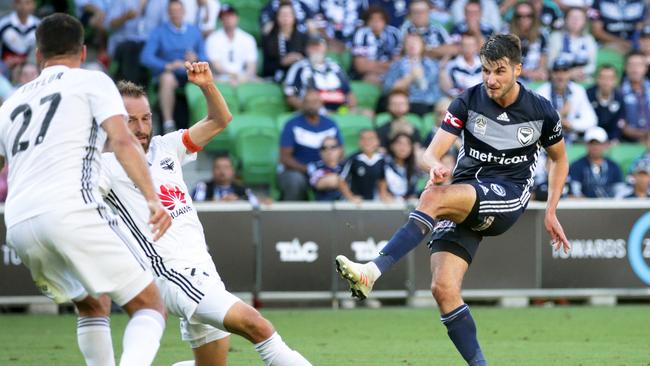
(94, 331)
(453, 202)
(448, 271)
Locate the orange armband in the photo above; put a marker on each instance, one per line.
(189, 145)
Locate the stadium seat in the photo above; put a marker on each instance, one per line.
(625, 154)
(246, 121)
(255, 95)
(575, 151)
(256, 149)
(367, 94)
(350, 125)
(199, 108)
(610, 56)
(383, 118)
(428, 121)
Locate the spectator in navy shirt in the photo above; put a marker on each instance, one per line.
(639, 180)
(324, 175)
(166, 50)
(575, 43)
(616, 21)
(526, 25)
(375, 46)
(300, 143)
(472, 24)
(398, 108)
(303, 12)
(636, 94)
(607, 102)
(320, 73)
(222, 186)
(437, 42)
(337, 20)
(284, 45)
(464, 70)
(364, 171)
(594, 175)
(400, 171)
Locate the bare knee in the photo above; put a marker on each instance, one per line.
(431, 201)
(168, 80)
(91, 306)
(444, 292)
(249, 323)
(149, 298)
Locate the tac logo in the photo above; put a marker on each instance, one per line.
(293, 251)
(525, 135)
(10, 257)
(367, 250)
(167, 164)
(171, 196)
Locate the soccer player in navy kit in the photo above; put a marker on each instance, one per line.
(503, 126)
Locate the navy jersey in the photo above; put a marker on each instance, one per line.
(363, 174)
(501, 142)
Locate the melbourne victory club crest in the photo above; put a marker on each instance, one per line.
(525, 135)
(498, 189)
(480, 125)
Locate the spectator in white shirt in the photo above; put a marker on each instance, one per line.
(231, 51)
(569, 99)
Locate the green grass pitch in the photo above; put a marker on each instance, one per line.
(563, 336)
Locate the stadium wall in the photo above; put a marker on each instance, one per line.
(286, 251)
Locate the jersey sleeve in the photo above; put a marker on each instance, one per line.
(173, 143)
(105, 100)
(455, 118)
(551, 128)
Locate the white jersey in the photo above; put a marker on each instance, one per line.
(184, 242)
(50, 135)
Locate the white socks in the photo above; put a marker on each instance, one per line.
(274, 352)
(375, 273)
(142, 338)
(94, 339)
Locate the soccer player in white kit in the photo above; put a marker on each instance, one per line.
(186, 275)
(51, 133)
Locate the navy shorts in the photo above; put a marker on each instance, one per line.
(498, 206)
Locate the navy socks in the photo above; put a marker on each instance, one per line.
(462, 331)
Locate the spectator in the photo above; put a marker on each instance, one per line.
(18, 33)
(24, 74)
(472, 24)
(615, 22)
(337, 20)
(231, 51)
(416, 73)
(284, 45)
(320, 73)
(576, 44)
(300, 141)
(202, 14)
(570, 100)
(436, 39)
(400, 168)
(464, 70)
(540, 189)
(608, 102)
(490, 14)
(594, 175)
(168, 47)
(324, 175)
(396, 9)
(301, 9)
(644, 46)
(222, 187)
(398, 108)
(526, 25)
(636, 94)
(639, 180)
(92, 14)
(375, 46)
(129, 28)
(550, 14)
(364, 171)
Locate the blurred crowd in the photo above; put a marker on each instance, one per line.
(589, 58)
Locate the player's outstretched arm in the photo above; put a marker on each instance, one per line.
(129, 153)
(218, 116)
(558, 171)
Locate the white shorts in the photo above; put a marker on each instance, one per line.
(71, 254)
(188, 289)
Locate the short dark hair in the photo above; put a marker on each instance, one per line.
(375, 9)
(130, 89)
(607, 66)
(59, 34)
(499, 46)
(398, 91)
(633, 54)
